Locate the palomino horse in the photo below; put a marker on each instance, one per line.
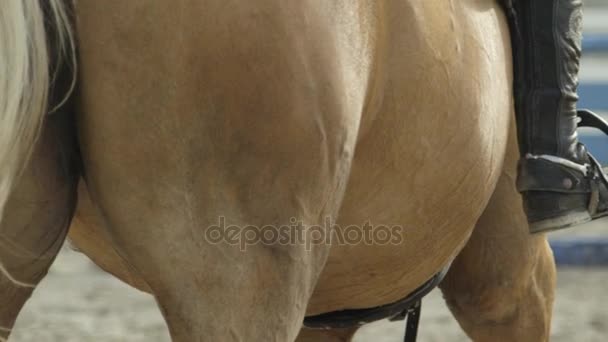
(262, 113)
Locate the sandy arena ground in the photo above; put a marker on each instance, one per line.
(79, 303)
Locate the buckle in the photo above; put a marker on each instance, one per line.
(596, 170)
(596, 177)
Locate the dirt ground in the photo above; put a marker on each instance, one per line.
(79, 303)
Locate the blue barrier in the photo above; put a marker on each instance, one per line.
(573, 251)
(595, 43)
(594, 95)
(597, 145)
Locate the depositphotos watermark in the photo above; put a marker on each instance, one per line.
(298, 233)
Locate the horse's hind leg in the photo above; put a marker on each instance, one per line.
(501, 286)
(36, 218)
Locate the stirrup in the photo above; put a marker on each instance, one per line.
(555, 187)
(590, 119)
(597, 176)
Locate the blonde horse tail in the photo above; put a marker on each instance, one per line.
(25, 79)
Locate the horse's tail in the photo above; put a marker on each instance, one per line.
(25, 78)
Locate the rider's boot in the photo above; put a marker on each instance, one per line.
(561, 183)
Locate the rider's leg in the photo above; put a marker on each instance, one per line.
(561, 183)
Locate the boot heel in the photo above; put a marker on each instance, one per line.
(548, 211)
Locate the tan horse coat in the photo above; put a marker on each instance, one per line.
(392, 112)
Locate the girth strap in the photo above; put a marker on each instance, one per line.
(408, 307)
(413, 320)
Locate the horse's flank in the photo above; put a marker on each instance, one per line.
(402, 83)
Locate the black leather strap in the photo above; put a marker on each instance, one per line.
(413, 320)
(543, 175)
(357, 317)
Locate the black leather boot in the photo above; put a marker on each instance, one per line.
(561, 183)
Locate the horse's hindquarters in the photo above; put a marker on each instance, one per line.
(429, 160)
(196, 113)
(255, 117)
